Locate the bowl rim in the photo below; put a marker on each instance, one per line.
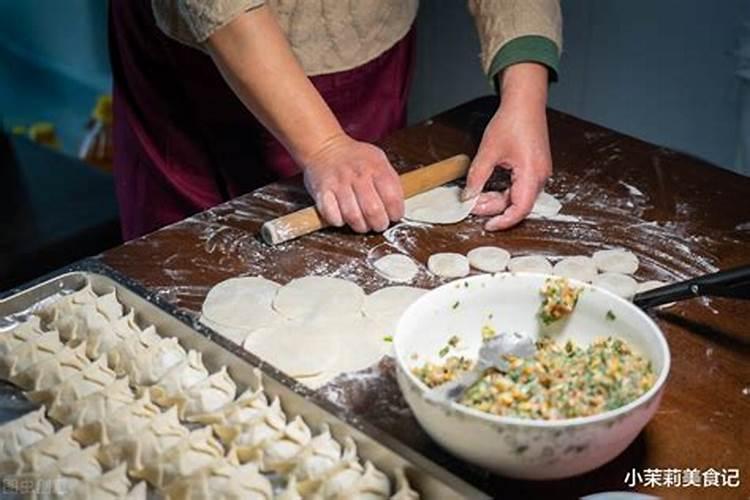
(531, 422)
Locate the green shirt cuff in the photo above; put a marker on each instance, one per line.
(529, 48)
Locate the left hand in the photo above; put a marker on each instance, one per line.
(517, 140)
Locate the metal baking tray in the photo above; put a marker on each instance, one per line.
(430, 479)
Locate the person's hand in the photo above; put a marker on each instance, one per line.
(353, 183)
(516, 139)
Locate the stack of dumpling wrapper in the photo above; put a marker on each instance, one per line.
(132, 407)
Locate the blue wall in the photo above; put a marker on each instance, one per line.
(53, 63)
(665, 71)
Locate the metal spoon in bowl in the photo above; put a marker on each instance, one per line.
(492, 354)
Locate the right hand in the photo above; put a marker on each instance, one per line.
(353, 183)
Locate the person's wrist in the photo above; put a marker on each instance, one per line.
(523, 87)
(310, 152)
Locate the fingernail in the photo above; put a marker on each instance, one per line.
(468, 194)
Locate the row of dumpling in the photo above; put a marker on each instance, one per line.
(41, 463)
(95, 399)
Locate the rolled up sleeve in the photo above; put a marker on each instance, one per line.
(513, 31)
(192, 21)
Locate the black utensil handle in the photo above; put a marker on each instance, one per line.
(733, 283)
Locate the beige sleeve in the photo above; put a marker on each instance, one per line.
(500, 21)
(193, 21)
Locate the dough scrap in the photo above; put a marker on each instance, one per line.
(308, 297)
(577, 267)
(296, 348)
(241, 303)
(396, 267)
(441, 205)
(530, 264)
(448, 265)
(616, 261)
(620, 284)
(546, 205)
(489, 259)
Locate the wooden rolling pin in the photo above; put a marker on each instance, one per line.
(308, 220)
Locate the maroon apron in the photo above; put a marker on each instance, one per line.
(184, 142)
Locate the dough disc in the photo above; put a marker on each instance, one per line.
(241, 303)
(577, 267)
(312, 296)
(616, 261)
(489, 259)
(441, 205)
(396, 267)
(388, 304)
(546, 205)
(617, 283)
(234, 334)
(530, 264)
(360, 343)
(298, 349)
(448, 265)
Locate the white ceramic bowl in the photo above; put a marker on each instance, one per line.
(516, 447)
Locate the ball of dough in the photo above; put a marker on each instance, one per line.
(441, 205)
(577, 267)
(489, 259)
(311, 296)
(620, 284)
(396, 267)
(530, 264)
(616, 261)
(448, 265)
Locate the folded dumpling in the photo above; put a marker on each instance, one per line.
(147, 443)
(131, 346)
(279, 453)
(67, 474)
(174, 385)
(102, 405)
(33, 351)
(11, 339)
(149, 365)
(42, 454)
(247, 436)
(94, 378)
(248, 407)
(208, 395)
(290, 492)
(128, 420)
(222, 480)
(23, 432)
(195, 451)
(67, 303)
(318, 458)
(403, 488)
(112, 485)
(373, 484)
(53, 370)
(344, 473)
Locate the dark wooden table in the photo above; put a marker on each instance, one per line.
(682, 216)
